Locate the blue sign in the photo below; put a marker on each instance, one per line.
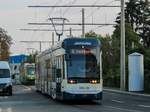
(17, 58)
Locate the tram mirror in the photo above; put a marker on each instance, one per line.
(67, 57)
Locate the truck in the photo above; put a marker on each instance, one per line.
(5, 78)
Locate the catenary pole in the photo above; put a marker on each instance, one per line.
(122, 59)
(83, 22)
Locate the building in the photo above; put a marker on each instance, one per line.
(15, 62)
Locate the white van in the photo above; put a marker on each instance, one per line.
(5, 78)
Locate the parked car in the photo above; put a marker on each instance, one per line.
(5, 78)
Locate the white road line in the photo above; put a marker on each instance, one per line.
(9, 110)
(145, 106)
(28, 88)
(123, 109)
(117, 101)
(4, 97)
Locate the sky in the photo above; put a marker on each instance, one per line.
(15, 15)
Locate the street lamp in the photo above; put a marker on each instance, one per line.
(58, 24)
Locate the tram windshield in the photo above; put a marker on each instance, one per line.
(83, 63)
(31, 70)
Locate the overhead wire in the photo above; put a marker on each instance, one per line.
(74, 1)
(52, 9)
(67, 9)
(92, 13)
(97, 8)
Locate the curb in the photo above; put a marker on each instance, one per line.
(126, 93)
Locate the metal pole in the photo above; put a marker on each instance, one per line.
(70, 32)
(83, 27)
(0, 51)
(77, 24)
(122, 59)
(58, 37)
(52, 38)
(75, 6)
(40, 46)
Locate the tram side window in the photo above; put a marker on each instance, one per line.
(37, 71)
(62, 66)
(49, 68)
(54, 70)
(59, 66)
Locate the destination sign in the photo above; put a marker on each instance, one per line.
(82, 43)
(80, 51)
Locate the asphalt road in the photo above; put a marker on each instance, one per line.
(25, 99)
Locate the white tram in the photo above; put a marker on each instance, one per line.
(71, 70)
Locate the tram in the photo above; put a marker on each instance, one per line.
(27, 73)
(71, 70)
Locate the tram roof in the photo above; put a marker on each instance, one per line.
(70, 42)
(77, 41)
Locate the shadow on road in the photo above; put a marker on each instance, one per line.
(79, 102)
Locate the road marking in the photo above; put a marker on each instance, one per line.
(117, 101)
(9, 110)
(145, 106)
(27, 88)
(122, 109)
(4, 97)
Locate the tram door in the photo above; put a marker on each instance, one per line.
(59, 75)
(58, 82)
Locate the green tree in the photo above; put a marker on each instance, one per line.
(137, 14)
(5, 43)
(108, 58)
(137, 18)
(132, 38)
(143, 27)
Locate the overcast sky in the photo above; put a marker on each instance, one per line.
(14, 15)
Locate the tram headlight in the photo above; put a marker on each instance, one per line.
(72, 81)
(93, 81)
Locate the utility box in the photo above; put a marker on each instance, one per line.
(136, 72)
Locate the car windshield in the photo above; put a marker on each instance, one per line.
(4, 73)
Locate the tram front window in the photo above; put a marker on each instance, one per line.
(82, 66)
(31, 70)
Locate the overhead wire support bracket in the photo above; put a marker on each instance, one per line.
(48, 29)
(75, 6)
(73, 24)
(58, 24)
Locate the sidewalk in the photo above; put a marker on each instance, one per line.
(115, 90)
